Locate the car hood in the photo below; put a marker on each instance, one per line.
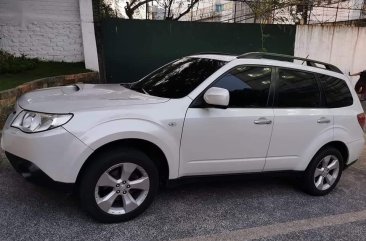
(71, 98)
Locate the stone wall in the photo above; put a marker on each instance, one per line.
(8, 97)
(44, 29)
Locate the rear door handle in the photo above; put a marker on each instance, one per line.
(323, 120)
(262, 121)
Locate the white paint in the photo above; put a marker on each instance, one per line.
(342, 46)
(45, 29)
(88, 35)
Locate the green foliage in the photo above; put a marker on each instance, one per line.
(11, 64)
(41, 70)
(103, 9)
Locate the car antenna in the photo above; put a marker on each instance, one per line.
(307, 56)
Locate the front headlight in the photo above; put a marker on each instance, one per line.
(30, 122)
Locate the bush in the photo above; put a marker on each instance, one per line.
(11, 64)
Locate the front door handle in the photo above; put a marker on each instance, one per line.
(262, 121)
(323, 120)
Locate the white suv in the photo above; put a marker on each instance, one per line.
(205, 114)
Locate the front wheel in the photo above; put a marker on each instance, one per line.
(323, 172)
(118, 185)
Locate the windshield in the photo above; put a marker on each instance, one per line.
(179, 78)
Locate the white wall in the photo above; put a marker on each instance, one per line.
(88, 35)
(342, 46)
(46, 29)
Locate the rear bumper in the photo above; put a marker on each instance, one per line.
(355, 149)
(350, 164)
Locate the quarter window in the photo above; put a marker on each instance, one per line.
(297, 89)
(248, 86)
(336, 92)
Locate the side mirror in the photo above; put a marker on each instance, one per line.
(218, 97)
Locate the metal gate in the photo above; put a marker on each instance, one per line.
(133, 48)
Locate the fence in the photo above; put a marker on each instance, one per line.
(133, 48)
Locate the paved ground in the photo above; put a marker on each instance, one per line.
(249, 208)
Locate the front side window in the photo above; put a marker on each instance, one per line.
(178, 78)
(296, 89)
(248, 86)
(336, 91)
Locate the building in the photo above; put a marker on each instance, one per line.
(322, 12)
(220, 11)
(204, 10)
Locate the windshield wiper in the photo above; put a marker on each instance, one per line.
(145, 91)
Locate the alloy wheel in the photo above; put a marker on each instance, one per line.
(326, 172)
(122, 188)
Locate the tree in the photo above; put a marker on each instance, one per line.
(283, 11)
(133, 5)
(103, 9)
(170, 14)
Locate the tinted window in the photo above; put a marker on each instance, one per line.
(336, 92)
(179, 78)
(297, 89)
(248, 86)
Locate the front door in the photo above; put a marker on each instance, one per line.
(235, 139)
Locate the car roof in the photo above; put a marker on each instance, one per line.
(271, 59)
(222, 57)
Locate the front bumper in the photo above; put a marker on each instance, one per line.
(56, 152)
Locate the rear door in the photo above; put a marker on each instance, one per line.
(345, 110)
(301, 121)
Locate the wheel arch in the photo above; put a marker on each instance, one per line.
(152, 150)
(340, 146)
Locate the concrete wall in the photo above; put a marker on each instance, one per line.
(342, 46)
(340, 11)
(88, 33)
(46, 29)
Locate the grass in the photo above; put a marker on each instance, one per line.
(41, 70)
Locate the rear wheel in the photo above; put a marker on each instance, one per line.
(324, 172)
(119, 185)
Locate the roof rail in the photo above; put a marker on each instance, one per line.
(218, 53)
(309, 62)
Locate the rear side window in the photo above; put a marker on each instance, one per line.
(336, 91)
(248, 86)
(296, 89)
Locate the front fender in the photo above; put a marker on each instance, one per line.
(107, 132)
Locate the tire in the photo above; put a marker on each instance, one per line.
(320, 178)
(106, 196)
